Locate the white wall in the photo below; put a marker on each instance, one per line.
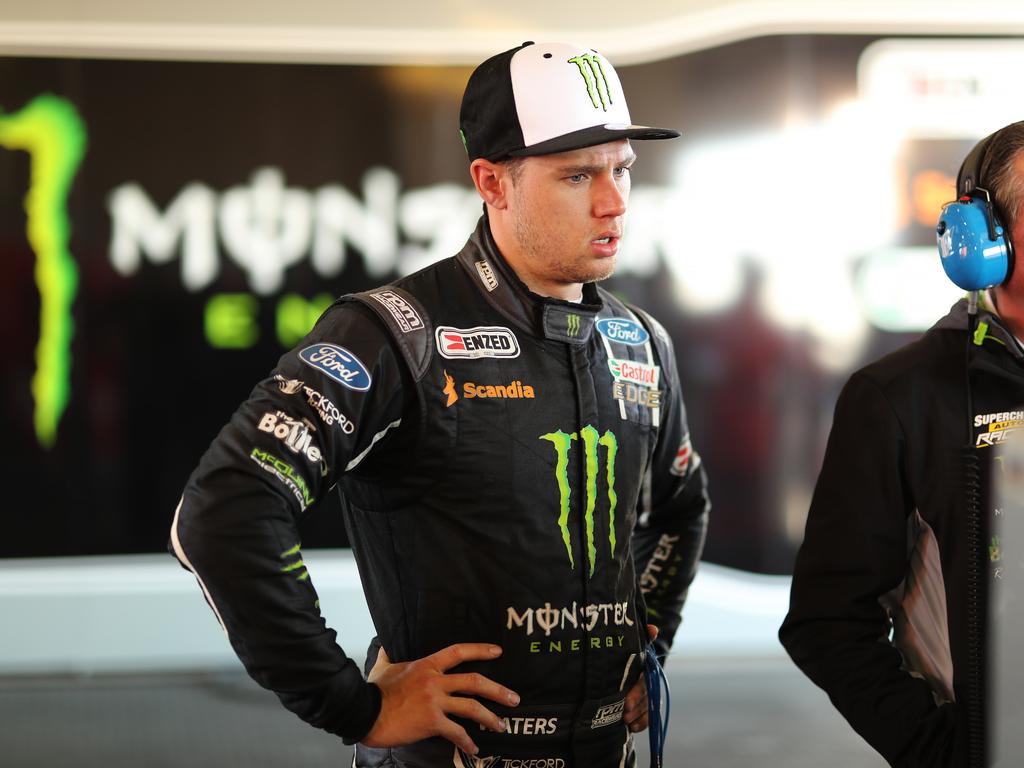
(457, 31)
(145, 613)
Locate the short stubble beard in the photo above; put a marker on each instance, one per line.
(558, 267)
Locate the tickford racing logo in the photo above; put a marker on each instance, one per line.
(997, 427)
(463, 760)
(325, 409)
(484, 341)
(339, 364)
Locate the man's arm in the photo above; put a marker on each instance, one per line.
(334, 397)
(236, 525)
(673, 514)
(854, 552)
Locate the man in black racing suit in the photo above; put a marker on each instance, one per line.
(511, 447)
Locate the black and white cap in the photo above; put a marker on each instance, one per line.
(542, 98)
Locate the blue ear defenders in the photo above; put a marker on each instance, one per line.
(974, 246)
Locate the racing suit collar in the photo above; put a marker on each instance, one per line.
(541, 316)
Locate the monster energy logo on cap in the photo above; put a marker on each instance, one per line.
(593, 75)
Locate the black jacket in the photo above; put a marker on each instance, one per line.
(502, 459)
(887, 549)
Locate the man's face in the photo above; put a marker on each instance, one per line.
(566, 213)
(1015, 287)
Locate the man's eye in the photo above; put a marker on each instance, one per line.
(622, 170)
(577, 178)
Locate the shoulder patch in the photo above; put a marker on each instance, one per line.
(405, 315)
(407, 321)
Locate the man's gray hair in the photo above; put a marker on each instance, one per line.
(1000, 176)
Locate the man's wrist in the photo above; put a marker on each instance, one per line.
(364, 712)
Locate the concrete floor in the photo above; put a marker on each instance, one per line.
(726, 714)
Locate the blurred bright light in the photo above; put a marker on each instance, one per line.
(930, 89)
(902, 290)
(802, 205)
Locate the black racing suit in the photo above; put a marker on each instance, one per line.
(887, 545)
(503, 460)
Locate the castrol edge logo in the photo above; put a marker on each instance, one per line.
(485, 341)
(635, 373)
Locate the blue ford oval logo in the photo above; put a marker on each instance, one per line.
(622, 330)
(338, 363)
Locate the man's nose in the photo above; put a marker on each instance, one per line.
(609, 198)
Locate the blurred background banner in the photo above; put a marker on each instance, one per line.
(168, 229)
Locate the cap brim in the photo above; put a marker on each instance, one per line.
(589, 137)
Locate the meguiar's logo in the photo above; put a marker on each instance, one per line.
(591, 440)
(590, 67)
(572, 325)
(51, 131)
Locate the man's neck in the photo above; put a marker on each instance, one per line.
(1010, 309)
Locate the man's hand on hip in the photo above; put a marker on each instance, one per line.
(417, 697)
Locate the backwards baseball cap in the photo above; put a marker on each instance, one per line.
(542, 98)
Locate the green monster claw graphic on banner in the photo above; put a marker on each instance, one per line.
(593, 75)
(591, 440)
(53, 134)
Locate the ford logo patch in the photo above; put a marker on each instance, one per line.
(338, 363)
(622, 330)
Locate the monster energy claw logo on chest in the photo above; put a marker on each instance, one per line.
(591, 439)
(598, 89)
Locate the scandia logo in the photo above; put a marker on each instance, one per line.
(515, 390)
(488, 341)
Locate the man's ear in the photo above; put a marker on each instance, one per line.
(492, 182)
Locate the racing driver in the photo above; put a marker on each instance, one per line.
(510, 443)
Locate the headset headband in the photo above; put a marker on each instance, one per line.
(969, 177)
